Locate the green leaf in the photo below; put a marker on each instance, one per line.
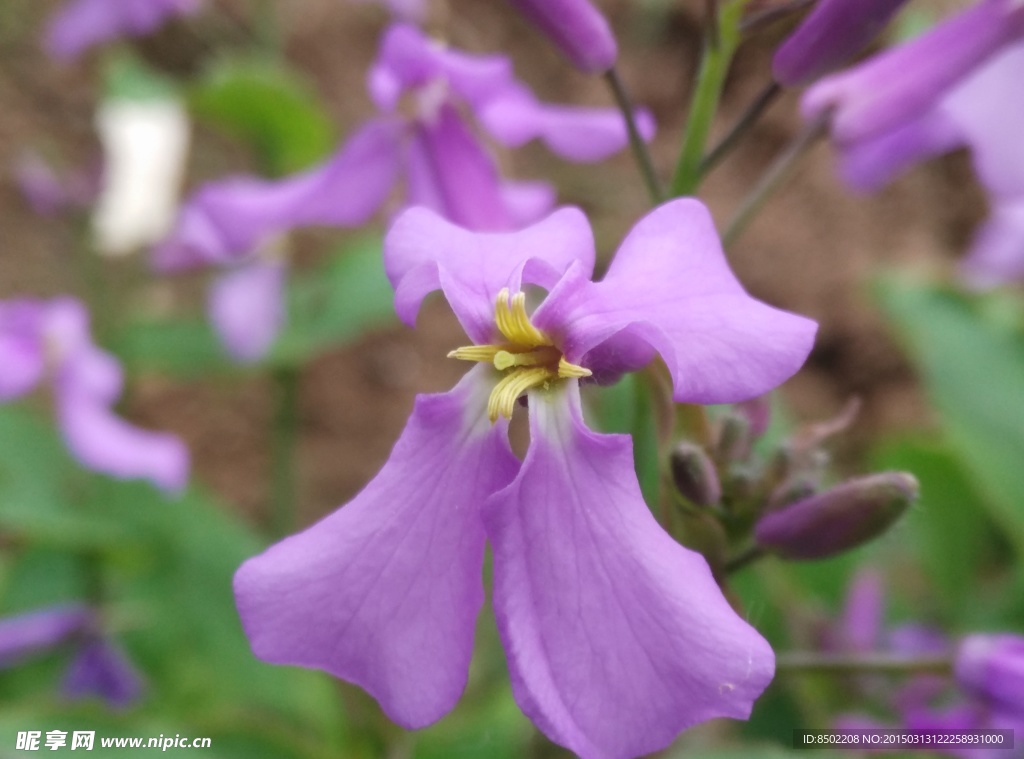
(270, 107)
(973, 370)
(182, 347)
(335, 303)
(949, 537)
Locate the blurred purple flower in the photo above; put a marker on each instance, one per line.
(99, 667)
(101, 670)
(421, 90)
(49, 341)
(593, 599)
(992, 668)
(81, 24)
(23, 635)
(47, 192)
(953, 87)
(577, 28)
(833, 32)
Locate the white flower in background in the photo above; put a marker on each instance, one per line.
(145, 143)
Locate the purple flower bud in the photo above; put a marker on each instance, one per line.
(27, 634)
(577, 28)
(896, 87)
(694, 474)
(832, 33)
(844, 517)
(992, 668)
(102, 670)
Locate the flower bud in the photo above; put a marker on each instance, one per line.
(577, 28)
(733, 443)
(841, 518)
(832, 33)
(694, 474)
(992, 668)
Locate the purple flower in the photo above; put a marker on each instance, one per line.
(958, 92)
(898, 86)
(101, 670)
(49, 341)
(577, 28)
(833, 32)
(49, 193)
(992, 668)
(81, 24)
(26, 634)
(421, 89)
(617, 638)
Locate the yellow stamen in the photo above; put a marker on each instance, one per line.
(567, 370)
(483, 353)
(514, 323)
(503, 398)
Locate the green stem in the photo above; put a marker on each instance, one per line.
(809, 662)
(774, 177)
(285, 439)
(636, 140)
(710, 81)
(743, 559)
(742, 127)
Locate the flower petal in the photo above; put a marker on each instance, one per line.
(247, 308)
(905, 81)
(80, 24)
(87, 383)
(527, 202)
(997, 251)
(423, 253)
(101, 669)
(228, 219)
(384, 592)
(450, 172)
(25, 634)
(617, 637)
(869, 164)
(671, 287)
(572, 132)
(22, 353)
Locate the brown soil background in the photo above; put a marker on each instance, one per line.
(813, 250)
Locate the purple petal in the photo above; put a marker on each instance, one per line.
(247, 308)
(671, 287)
(617, 637)
(384, 592)
(527, 202)
(25, 634)
(997, 251)
(869, 164)
(39, 184)
(227, 220)
(423, 253)
(575, 133)
(831, 34)
(81, 24)
(22, 352)
(901, 84)
(577, 28)
(87, 383)
(860, 627)
(102, 670)
(990, 116)
(450, 173)
(992, 667)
